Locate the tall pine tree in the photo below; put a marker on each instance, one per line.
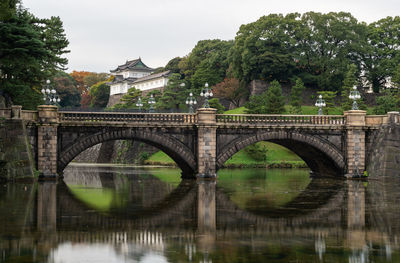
(296, 95)
(30, 53)
(349, 82)
(269, 102)
(174, 95)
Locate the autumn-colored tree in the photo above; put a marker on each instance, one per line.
(93, 78)
(231, 90)
(86, 99)
(78, 77)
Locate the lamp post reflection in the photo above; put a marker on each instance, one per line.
(356, 239)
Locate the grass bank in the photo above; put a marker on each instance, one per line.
(276, 157)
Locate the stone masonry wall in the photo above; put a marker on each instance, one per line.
(120, 151)
(384, 160)
(355, 151)
(16, 161)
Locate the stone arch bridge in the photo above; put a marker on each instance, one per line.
(200, 143)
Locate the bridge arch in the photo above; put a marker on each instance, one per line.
(175, 149)
(321, 156)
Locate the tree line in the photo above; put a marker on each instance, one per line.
(328, 53)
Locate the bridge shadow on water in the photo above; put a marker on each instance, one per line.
(142, 211)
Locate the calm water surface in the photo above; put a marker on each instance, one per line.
(125, 214)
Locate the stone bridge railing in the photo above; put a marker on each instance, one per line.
(127, 117)
(185, 118)
(281, 119)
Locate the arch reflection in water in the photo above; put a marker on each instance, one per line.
(198, 221)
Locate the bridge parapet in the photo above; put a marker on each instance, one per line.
(128, 117)
(5, 113)
(375, 120)
(273, 119)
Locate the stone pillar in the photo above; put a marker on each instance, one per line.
(355, 142)
(16, 112)
(393, 117)
(207, 142)
(47, 140)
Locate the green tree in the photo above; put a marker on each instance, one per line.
(269, 102)
(207, 62)
(129, 99)
(296, 95)
(8, 8)
(214, 103)
(326, 45)
(53, 36)
(99, 93)
(349, 82)
(173, 65)
(381, 54)
(174, 95)
(66, 89)
(265, 49)
(388, 102)
(396, 76)
(258, 151)
(275, 100)
(22, 56)
(30, 53)
(156, 95)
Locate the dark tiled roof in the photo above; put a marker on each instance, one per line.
(153, 76)
(136, 64)
(120, 79)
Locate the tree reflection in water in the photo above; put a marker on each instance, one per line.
(148, 218)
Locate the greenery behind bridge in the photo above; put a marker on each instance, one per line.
(319, 50)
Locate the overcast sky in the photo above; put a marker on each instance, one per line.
(104, 34)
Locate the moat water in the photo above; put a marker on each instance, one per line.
(126, 214)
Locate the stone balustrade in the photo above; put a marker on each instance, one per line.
(127, 117)
(281, 119)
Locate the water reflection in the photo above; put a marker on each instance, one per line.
(151, 218)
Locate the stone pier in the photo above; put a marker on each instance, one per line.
(355, 142)
(47, 140)
(207, 145)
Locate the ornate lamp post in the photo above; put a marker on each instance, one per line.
(320, 103)
(50, 96)
(139, 104)
(151, 102)
(206, 92)
(191, 101)
(354, 95)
